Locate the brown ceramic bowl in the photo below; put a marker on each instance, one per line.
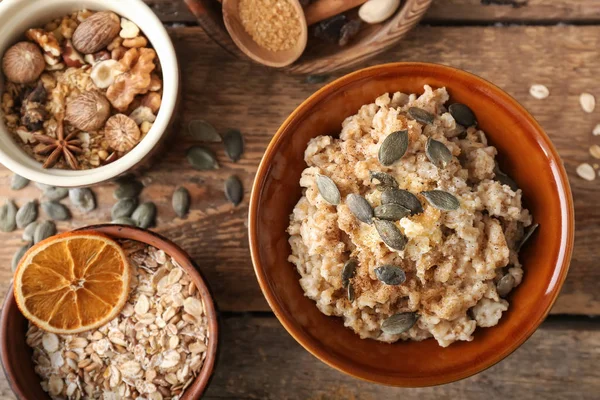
(525, 153)
(17, 356)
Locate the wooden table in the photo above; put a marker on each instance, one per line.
(555, 43)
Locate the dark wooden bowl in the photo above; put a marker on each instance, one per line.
(319, 58)
(16, 356)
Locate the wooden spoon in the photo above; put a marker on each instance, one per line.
(315, 12)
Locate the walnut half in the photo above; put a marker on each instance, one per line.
(139, 64)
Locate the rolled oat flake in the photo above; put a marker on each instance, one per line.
(539, 91)
(587, 102)
(586, 171)
(399, 323)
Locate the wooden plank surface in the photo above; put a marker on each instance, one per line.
(232, 93)
(454, 11)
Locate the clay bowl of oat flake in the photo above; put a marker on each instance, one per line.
(153, 253)
(524, 152)
(17, 17)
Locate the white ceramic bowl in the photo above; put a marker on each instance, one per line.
(16, 16)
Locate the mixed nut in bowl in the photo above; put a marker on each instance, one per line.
(88, 89)
(403, 252)
(133, 318)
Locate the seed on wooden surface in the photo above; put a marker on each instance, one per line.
(391, 212)
(128, 189)
(18, 182)
(390, 275)
(42, 186)
(505, 179)
(505, 285)
(29, 231)
(234, 190)
(587, 102)
(438, 153)
(390, 234)
(586, 171)
(8, 215)
(203, 131)
(144, 215)
(43, 231)
(399, 323)
(123, 208)
(596, 130)
(404, 198)
(123, 221)
(441, 200)
(54, 193)
(360, 207)
(56, 211)
(393, 147)
(234, 144)
(83, 199)
(349, 271)
(18, 255)
(351, 293)
(201, 158)
(595, 151)
(26, 214)
(316, 78)
(420, 115)
(328, 189)
(181, 201)
(385, 180)
(462, 114)
(527, 235)
(539, 91)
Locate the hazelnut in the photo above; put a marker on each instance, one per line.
(88, 111)
(23, 63)
(121, 132)
(96, 32)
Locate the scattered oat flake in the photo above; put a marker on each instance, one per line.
(595, 151)
(587, 101)
(539, 91)
(586, 171)
(596, 131)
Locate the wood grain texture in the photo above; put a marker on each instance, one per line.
(452, 11)
(232, 93)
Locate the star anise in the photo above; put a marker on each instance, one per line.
(58, 147)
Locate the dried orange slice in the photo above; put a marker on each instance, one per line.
(72, 282)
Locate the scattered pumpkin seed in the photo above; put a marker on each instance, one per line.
(128, 189)
(201, 159)
(8, 215)
(26, 214)
(390, 234)
(462, 114)
(385, 180)
(234, 190)
(399, 323)
(144, 215)
(181, 201)
(391, 212)
(527, 235)
(438, 153)
(29, 231)
(404, 198)
(54, 193)
(42, 186)
(351, 293)
(505, 179)
(505, 285)
(56, 211)
(360, 207)
(390, 274)
(234, 144)
(83, 199)
(420, 115)
(43, 231)
(316, 78)
(349, 271)
(441, 200)
(123, 208)
(18, 255)
(328, 189)
(203, 131)
(123, 221)
(18, 182)
(393, 147)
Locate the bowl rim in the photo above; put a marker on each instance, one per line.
(154, 239)
(562, 263)
(144, 17)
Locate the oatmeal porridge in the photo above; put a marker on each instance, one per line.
(407, 228)
(153, 350)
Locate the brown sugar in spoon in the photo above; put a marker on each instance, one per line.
(315, 12)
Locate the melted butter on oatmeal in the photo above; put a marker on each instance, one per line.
(453, 259)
